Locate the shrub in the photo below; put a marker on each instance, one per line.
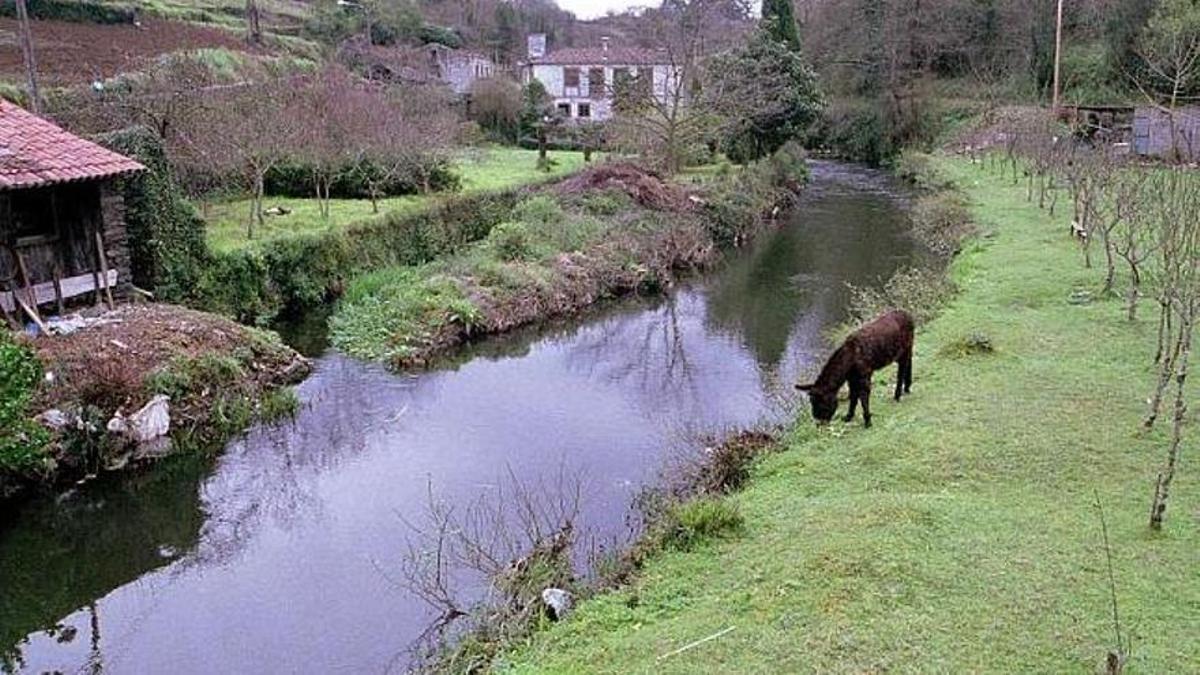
(511, 241)
(920, 292)
(968, 345)
(691, 523)
(854, 130)
(942, 221)
(295, 179)
(80, 11)
(22, 441)
(166, 236)
(107, 384)
(540, 210)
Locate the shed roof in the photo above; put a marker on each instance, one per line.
(35, 152)
(600, 56)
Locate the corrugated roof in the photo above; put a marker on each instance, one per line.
(613, 56)
(35, 152)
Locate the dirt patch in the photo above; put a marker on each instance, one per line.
(137, 340)
(646, 187)
(76, 53)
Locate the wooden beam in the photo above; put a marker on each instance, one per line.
(30, 306)
(72, 287)
(104, 270)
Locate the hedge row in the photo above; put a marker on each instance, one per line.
(295, 274)
(294, 179)
(80, 11)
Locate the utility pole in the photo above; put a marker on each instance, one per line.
(1057, 57)
(26, 38)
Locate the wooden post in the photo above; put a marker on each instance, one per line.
(104, 270)
(25, 37)
(58, 294)
(1057, 58)
(30, 307)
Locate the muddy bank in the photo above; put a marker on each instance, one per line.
(127, 386)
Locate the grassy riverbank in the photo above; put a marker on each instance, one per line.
(487, 170)
(613, 230)
(960, 533)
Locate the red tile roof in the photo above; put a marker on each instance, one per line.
(35, 152)
(613, 56)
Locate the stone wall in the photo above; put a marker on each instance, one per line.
(116, 238)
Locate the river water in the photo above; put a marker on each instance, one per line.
(280, 553)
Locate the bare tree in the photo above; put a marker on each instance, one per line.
(246, 131)
(1169, 52)
(1180, 283)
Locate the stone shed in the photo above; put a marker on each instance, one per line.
(62, 218)
(1156, 134)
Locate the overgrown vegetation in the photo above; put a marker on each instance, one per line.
(611, 231)
(22, 441)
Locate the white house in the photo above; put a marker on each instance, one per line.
(582, 81)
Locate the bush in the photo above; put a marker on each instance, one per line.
(920, 292)
(691, 523)
(942, 221)
(22, 441)
(166, 236)
(79, 11)
(432, 174)
(511, 241)
(853, 130)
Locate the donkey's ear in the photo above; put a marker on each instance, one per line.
(805, 387)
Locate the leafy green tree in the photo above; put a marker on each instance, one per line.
(779, 17)
(766, 93)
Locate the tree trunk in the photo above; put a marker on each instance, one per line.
(253, 23)
(1110, 275)
(1135, 291)
(25, 37)
(1166, 367)
(1162, 489)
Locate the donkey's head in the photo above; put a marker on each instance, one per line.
(824, 404)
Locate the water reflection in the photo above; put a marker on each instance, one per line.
(269, 558)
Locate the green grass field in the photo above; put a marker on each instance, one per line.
(960, 533)
(491, 169)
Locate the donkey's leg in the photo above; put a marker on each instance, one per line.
(906, 368)
(899, 377)
(865, 396)
(853, 401)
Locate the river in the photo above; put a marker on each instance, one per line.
(280, 552)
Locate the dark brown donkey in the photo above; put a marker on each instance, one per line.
(876, 345)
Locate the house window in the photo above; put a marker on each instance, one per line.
(596, 82)
(564, 109)
(570, 77)
(584, 110)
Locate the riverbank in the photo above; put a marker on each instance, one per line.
(960, 532)
(100, 391)
(610, 231)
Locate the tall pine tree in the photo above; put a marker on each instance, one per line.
(780, 19)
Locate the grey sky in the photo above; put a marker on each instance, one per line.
(590, 9)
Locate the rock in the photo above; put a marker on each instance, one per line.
(55, 419)
(150, 423)
(559, 602)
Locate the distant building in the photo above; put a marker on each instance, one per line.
(1152, 133)
(62, 218)
(584, 81)
(457, 69)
